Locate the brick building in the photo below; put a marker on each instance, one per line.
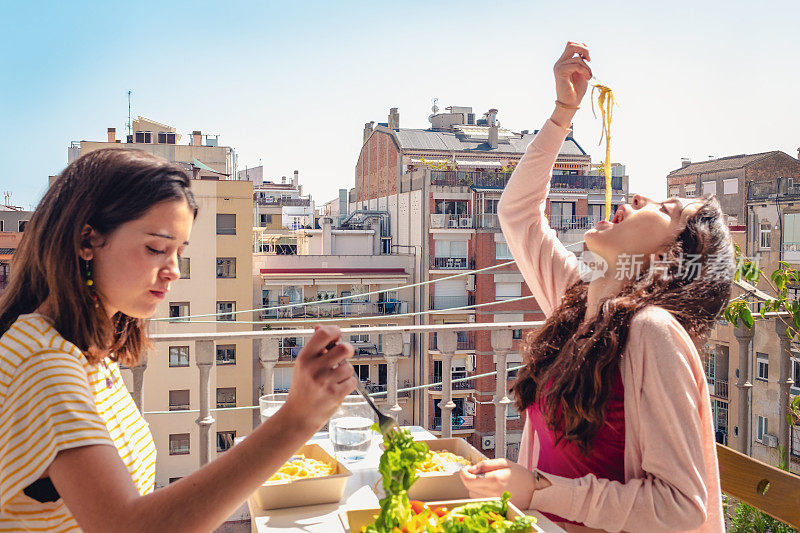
(440, 187)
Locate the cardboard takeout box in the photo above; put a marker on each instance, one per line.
(441, 485)
(355, 519)
(306, 491)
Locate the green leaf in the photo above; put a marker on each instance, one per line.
(746, 317)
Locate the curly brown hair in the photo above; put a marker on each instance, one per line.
(570, 365)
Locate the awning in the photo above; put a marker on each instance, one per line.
(202, 166)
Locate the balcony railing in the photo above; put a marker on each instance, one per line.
(465, 178)
(447, 221)
(451, 302)
(587, 181)
(465, 341)
(564, 223)
(719, 387)
(779, 189)
(459, 422)
(458, 385)
(763, 486)
(343, 309)
(450, 263)
(288, 202)
(487, 220)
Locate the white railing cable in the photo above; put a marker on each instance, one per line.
(349, 297)
(381, 393)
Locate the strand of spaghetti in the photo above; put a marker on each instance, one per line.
(605, 101)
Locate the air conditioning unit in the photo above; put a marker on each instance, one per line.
(453, 223)
(771, 440)
(465, 222)
(470, 363)
(470, 318)
(487, 442)
(471, 282)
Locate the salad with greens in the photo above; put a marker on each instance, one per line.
(398, 468)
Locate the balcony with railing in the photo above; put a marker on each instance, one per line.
(718, 387)
(780, 189)
(467, 178)
(584, 182)
(450, 263)
(448, 221)
(283, 202)
(765, 487)
(452, 302)
(487, 220)
(566, 223)
(465, 340)
(342, 309)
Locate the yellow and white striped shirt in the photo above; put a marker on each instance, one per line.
(52, 399)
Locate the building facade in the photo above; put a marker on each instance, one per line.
(440, 187)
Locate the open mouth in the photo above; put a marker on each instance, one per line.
(619, 216)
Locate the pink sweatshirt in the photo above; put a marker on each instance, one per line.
(671, 473)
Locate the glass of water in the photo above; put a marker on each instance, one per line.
(350, 429)
(270, 403)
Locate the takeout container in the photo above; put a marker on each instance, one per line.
(306, 491)
(354, 519)
(441, 485)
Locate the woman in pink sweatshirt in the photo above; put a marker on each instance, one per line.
(618, 434)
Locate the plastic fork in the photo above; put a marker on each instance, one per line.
(385, 423)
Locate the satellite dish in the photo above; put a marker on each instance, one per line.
(435, 108)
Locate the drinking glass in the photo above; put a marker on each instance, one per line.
(350, 429)
(270, 403)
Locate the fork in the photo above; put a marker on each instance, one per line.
(385, 423)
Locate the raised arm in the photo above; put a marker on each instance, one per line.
(97, 489)
(547, 266)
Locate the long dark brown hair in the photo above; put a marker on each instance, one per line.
(570, 366)
(104, 189)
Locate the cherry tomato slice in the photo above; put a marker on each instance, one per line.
(440, 511)
(418, 506)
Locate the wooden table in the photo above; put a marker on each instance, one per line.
(358, 494)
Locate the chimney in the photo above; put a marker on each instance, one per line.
(394, 119)
(798, 153)
(491, 117)
(283, 179)
(112, 134)
(196, 138)
(327, 236)
(295, 179)
(493, 136)
(685, 162)
(368, 130)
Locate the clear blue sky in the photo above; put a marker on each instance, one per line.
(292, 83)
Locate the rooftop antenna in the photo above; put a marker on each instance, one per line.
(7, 198)
(435, 110)
(128, 125)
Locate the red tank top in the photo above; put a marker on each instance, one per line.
(606, 459)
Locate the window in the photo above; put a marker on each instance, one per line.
(730, 186)
(362, 371)
(226, 224)
(226, 267)
(289, 347)
(511, 375)
(561, 213)
(490, 205)
(764, 235)
(179, 444)
(383, 374)
(226, 354)
(178, 310)
(174, 479)
(762, 366)
(791, 231)
(183, 266)
(516, 334)
(178, 356)
(709, 187)
(674, 191)
(761, 427)
(225, 440)
(511, 409)
(225, 311)
(691, 190)
(166, 137)
(450, 249)
(265, 219)
(2, 225)
(363, 338)
(795, 376)
(179, 400)
(450, 207)
(506, 291)
(501, 251)
(144, 137)
(226, 397)
(21, 225)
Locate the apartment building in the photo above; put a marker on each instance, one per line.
(440, 187)
(12, 223)
(279, 208)
(753, 373)
(331, 265)
(215, 278)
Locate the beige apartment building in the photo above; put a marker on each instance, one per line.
(335, 263)
(215, 278)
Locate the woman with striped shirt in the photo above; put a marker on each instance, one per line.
(97, 257)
